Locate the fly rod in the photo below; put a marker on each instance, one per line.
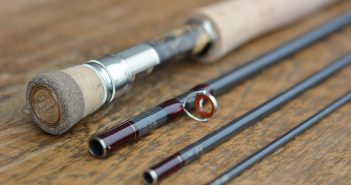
(58, 100)
(104, 143)
(279, 142)
(195, 150)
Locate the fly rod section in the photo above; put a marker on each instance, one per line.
(279, 142)
(202, 146)
(102, 144)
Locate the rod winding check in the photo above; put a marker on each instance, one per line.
(58, 100)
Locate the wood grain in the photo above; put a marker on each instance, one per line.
(41, 35)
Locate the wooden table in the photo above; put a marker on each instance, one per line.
(41, 35)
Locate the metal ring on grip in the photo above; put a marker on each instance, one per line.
(200, 96)
(107, 77)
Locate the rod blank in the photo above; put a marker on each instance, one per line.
(224, 82)
(279, 142)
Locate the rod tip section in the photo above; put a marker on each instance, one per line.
(58, 100)
(97, 147)
(150, 177)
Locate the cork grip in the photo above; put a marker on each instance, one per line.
(238, 21)
(60, 99)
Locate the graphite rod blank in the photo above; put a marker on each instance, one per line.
(195, 150)
(279, 142)
(130, 130)
(222, 83)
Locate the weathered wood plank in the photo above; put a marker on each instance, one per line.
(41, 35)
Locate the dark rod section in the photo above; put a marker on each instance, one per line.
(224, 82)
(195, 150)
(161, 114)
(279, 142)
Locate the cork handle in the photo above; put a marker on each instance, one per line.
(58, 100)
(238, 21)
